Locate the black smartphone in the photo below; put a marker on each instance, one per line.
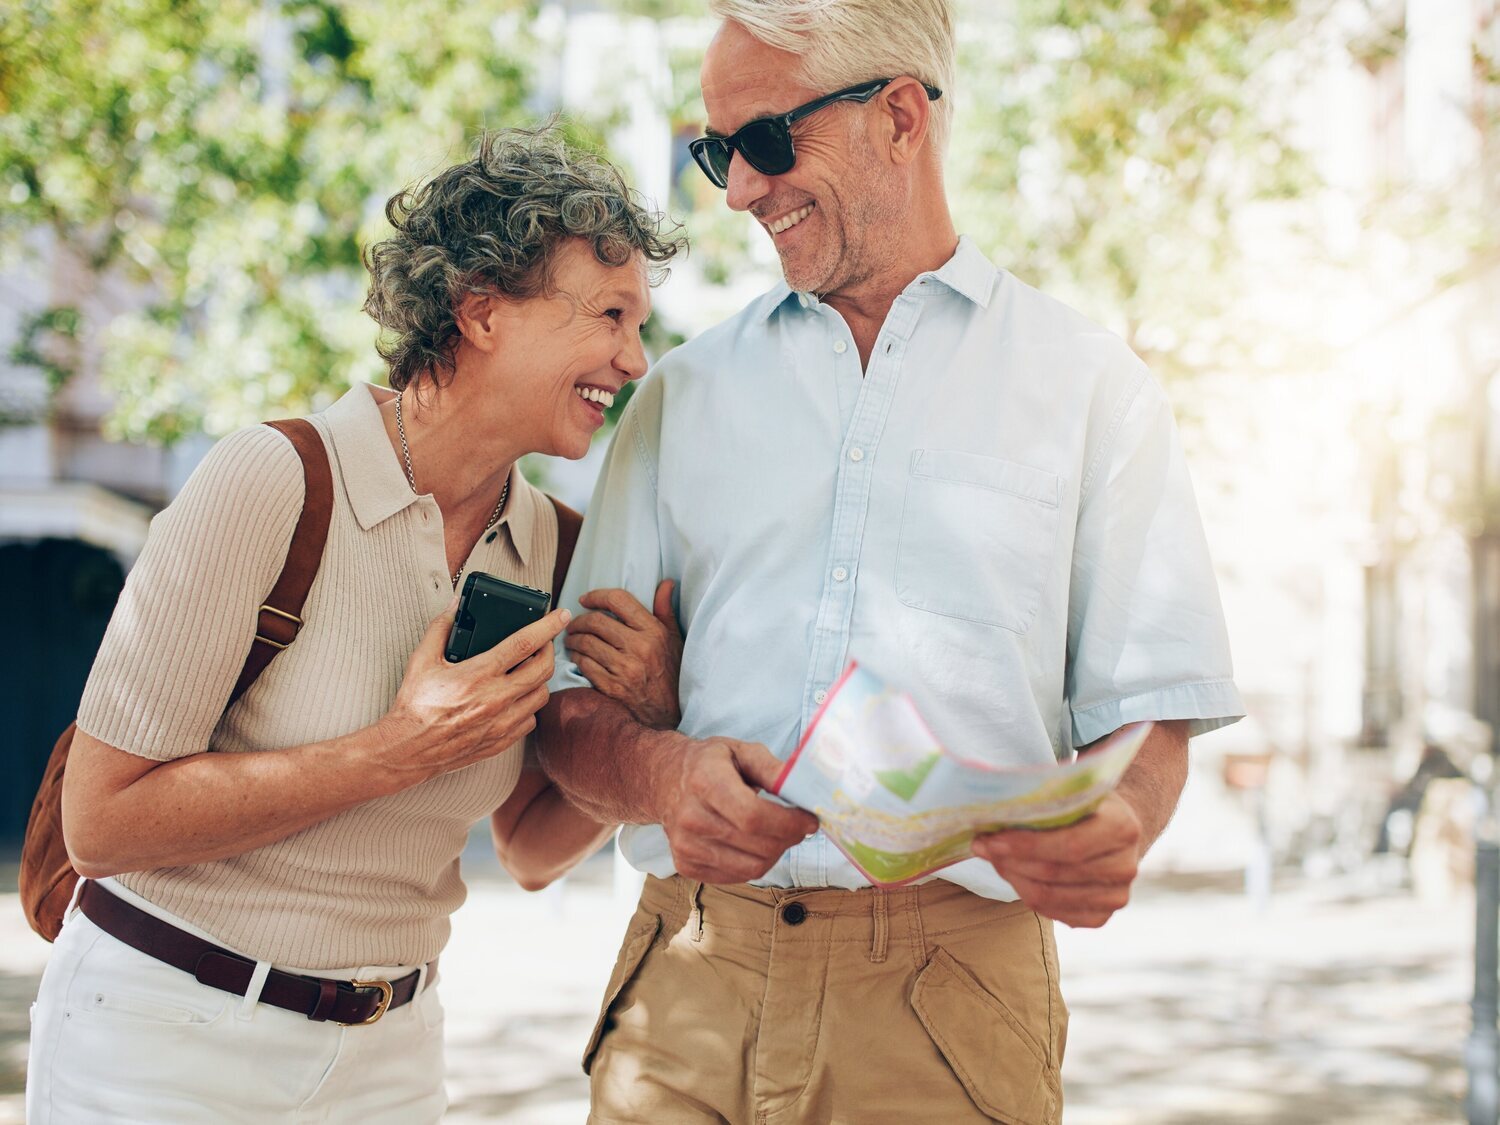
(489, 610)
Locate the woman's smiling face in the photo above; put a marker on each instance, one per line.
(565, 354)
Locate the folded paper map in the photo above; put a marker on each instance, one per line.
(900, 805)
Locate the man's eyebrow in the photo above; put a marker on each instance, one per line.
(710, 131)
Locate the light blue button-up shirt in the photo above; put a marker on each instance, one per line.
(995, 516)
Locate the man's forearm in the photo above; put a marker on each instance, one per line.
(605, 762)
(1154, 781)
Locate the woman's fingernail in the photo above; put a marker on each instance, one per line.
(566, 617)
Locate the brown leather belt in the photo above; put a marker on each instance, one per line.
(347, 1002)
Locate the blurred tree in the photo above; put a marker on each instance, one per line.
(1107, 151)
(230, 157)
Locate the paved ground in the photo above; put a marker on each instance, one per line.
(1339, 1002)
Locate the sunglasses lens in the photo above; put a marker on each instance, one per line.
(712, 155)
(767, 145)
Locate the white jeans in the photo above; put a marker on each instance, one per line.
(118, 1036)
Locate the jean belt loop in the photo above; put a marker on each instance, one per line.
(881, 926)
(246, 1008)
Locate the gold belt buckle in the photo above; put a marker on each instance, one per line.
(384, 987)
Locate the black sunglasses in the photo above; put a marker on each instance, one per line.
(766, 142)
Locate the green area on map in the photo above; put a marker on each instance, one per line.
(905, 782)
(881, 866)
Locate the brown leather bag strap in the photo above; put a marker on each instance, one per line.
(568, 524)
(280, 617)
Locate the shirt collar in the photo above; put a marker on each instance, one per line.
(376, 483)
(373, 479)
(521, 513)
(968, 273)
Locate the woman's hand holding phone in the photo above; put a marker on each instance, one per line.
(448, 716)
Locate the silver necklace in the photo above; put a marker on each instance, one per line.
(411, 479)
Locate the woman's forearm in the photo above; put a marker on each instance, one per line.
(122, 812)
(540, 836)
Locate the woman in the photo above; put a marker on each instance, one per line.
(314, 827)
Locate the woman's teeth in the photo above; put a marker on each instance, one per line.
(605, 399)
(787, 222)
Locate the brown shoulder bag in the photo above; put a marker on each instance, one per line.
(47, 878)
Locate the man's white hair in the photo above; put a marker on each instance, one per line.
(845, 42)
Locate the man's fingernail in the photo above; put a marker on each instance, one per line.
(566, 617)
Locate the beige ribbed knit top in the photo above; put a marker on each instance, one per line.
(374, 885)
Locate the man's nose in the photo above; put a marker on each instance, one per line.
(746, 185)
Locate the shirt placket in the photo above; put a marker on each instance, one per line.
(432, 553)
(851, 503)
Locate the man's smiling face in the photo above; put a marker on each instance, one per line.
(825, 214)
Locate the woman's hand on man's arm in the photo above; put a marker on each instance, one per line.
(631, 654)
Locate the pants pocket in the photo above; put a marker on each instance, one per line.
(638, 941)
(128, 1007)
(1001, 1064)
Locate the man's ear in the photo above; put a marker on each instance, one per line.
(479, 321)
(908, 115)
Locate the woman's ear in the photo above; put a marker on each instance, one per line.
(479, 323)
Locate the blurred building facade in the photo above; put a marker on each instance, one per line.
(1349, 490)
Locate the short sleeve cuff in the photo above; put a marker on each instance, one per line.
(1206, 706)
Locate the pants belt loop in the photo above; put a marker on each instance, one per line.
(697, 911)
(246, 1010)
(73, 899)
(881, 927)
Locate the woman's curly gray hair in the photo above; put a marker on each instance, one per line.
(493, 225)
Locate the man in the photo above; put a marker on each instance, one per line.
(907, 456)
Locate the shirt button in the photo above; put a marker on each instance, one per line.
(820, 697)
(856, 454)
(794, 913)
(840, 573)
(840, 347)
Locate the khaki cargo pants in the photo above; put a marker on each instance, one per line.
(760, 1006)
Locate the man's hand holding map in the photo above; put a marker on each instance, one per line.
(901, 806)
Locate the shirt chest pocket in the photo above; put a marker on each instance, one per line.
(978, 537)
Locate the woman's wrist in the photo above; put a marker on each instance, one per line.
(390, 750)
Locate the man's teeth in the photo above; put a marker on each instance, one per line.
(605, 399)
(787, 222)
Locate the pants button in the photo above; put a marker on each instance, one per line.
(793, 913)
